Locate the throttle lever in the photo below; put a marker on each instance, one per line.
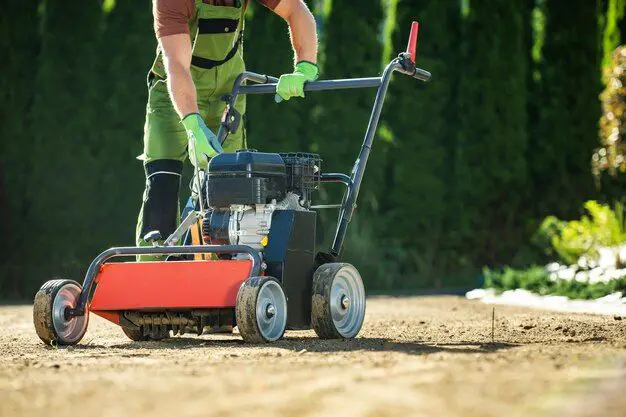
(411, 47)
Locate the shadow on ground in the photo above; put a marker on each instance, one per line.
(298, 344)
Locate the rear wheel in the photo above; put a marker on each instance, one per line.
(261, 310)
(338, 304)
(51, 324)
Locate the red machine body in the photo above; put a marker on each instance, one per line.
(158, 286)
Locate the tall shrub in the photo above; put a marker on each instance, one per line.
(611, 37)
(490, 159)
(423, 120)
(353, 48)
(610, 156)
(567, 108)
(63, 189)
(121, 101)
(19, 45)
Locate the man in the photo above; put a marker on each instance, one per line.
(199, 55)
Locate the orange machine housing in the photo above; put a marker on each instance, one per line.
(154, 286)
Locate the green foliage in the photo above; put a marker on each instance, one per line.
(490, 177)
(610, 156)
(20, 41)
(62, 143)
(460, 171)
(74, 181)
(539, 30)
(601, 227)
(381, 265)
(423, 122)
(534, 279)
(537, 280)
(564, 108)
(615, 10)
(390, 8)
(353, 48)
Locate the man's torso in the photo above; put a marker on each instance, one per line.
(172, 17)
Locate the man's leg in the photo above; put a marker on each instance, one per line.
(212, 114)
(212, 108)
(165, 143)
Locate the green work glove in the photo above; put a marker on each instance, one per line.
(203, 143)
(292, 85)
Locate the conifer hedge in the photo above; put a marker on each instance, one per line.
(461, 172)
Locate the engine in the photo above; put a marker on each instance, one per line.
(245, 188)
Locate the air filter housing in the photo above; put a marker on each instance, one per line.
(245, 177)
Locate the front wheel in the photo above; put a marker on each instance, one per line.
(261, 310)
(51, 323)
(338, 303)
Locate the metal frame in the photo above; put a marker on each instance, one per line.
(97, 263)
(267, 85)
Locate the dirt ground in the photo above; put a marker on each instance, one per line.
(430, 356)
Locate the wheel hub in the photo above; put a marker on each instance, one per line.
(72, 328)
(347, 302)
(271, 311)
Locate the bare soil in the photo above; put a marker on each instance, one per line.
(430, 356)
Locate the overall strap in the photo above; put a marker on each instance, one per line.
(219, 26)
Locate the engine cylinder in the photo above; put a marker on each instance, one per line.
(215, 227)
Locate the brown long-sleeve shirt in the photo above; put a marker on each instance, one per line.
(172, 17)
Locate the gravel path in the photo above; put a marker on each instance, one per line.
(430, 356)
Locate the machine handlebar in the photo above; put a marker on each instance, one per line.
(422, 75)
(324, 85)
(321, 85)
(264, 84)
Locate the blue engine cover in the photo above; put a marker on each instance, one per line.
(245, 177)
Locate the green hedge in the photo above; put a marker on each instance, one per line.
(461, 172)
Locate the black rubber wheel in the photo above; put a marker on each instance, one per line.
(51, 301)
(137, 334)
(338, 301)
(261, 310)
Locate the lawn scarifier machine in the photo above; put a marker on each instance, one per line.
(248, 255)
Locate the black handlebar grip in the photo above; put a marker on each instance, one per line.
(422, 75)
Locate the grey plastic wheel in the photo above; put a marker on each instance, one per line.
(338, 303)
(261, 310)
(51, 301)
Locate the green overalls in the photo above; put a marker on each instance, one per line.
(216, 33)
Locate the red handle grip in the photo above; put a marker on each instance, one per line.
(412, 46)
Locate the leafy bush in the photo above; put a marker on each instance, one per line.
(537, 280)
(570, 240)
(533, 279)
(610, 156)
